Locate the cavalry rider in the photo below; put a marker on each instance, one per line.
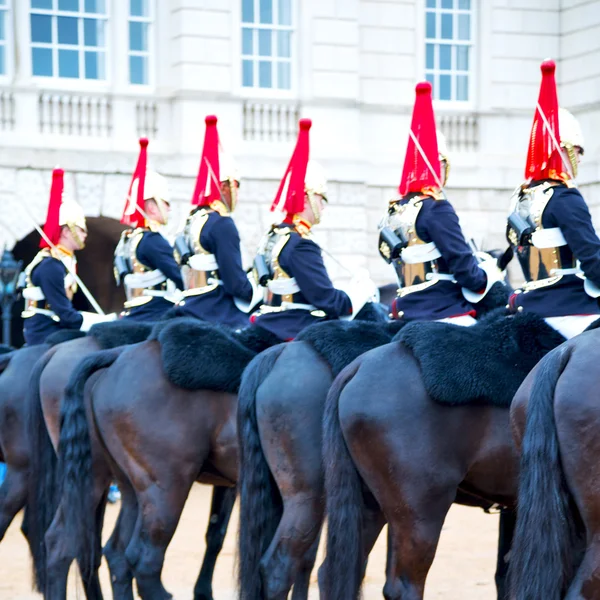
(550, 224)
(289, 264)
(51, 276)
(439, 276)
(144, 260)
(217, 287)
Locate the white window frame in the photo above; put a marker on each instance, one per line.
(149, 54)
(454, 42)
(272, 92)
(7, 44)
(54, 81)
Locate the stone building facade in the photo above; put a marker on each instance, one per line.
(81, 80)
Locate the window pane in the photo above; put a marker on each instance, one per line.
(139, 8)
(67, 30)
(95, 6)
(465, 4)
(431, 78)
(247, 73)
(266, 11)
(429, 56)
(462, 88)
(2, 66)
(68, 63)
(445, 57)
(247, 41)
(447, 3)
(41, 3)
(284, 79)
(430, 4)
(138, 36)
(248, 11)
(68, 5)
(93, 32)
(2, 31)
(41, 62)
(430, 27)
(265, 79)
(285, 12)
(138, 70)
(445, 87)
(446, 26)
(284, 44)
(41, 28)
(264, 42)
(94, 65)
(464, 27)
(462, 58)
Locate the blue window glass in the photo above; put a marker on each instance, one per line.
(445, 57)
(265, 74)
(284, 78)
(2, 28)
(95, 6)
(266, 11)
(94, 65)
(431, 78)
(248, 11)
(445, 87)
(429, 56)
(93, 32)
(72, 5)
(138, 70)
(67, 30)
(284, 44)
(464, 4)
(138, 36)
(430, 25)
(2, 61)
(285, 12)
(265, 42)
(462, 58)
(41, 29)
(447, 3)
(446, 26)
(247, 47)
(464, 27)
(46, 4)
(247, 73)
(430, 4)
(41, 61)
(139, 8)
(68, 63)
(462, 88)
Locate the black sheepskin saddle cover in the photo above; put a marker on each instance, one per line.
(338, 343)
(64, 335)
(113, 334)
(482, 364)
(198, 355)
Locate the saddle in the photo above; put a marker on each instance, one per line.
(483, 364)
(338, 343)
(197, 355)
(113, 334)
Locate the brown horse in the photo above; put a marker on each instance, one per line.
(390, 442)
(556, 423)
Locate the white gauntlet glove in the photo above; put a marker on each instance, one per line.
(90, 318)
(494, 274)
(257, 295)
(360, 290)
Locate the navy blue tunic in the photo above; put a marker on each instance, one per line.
(567, 209)
(220, 237)
(301, 258)
(155, 252)
(437, 222)
(49, 275)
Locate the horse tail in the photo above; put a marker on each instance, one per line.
(546, 532)
(42, 477)
(342, 569)
(260, 501)
(75, 458)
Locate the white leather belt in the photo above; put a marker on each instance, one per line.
(283, 287)
(40, 311)
(440, 277)
(420, 253)
(144, 280)
(548, 238)
(203, 262)
(297, 305)
(213, 284)
(34, 293)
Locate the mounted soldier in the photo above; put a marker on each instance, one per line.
(217, 287)
(289, 264)
(144, 261)
(440, 278)
(550, 224)
(51, 278)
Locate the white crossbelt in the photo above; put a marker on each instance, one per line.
(548, 238)
(283, 287)
(43, 311)
(144, 280)
(420, 253)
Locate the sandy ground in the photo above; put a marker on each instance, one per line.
(463, 568)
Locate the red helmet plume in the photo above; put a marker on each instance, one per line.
(133, 213)
(52, 225)
(209, 172)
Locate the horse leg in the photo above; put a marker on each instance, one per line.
(302, 581)
(159, 512)
(121, 575)
(508, 519)
(223, 499)
(13, 496)
(586, 584)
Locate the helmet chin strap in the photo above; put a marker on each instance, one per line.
(80, 243)
(314, 206)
